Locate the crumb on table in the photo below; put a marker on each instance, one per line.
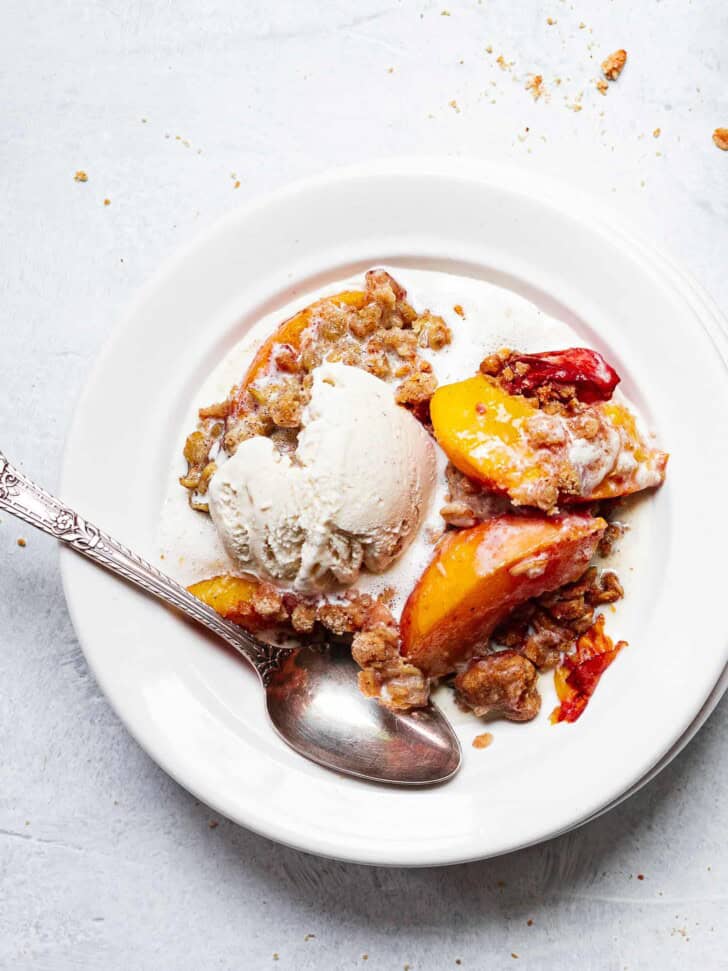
(22, 542)
(656, 133)
(720, 138)
(80, 176)
(535, 86)
(483, 740)
(602, 86)
(107, 202)
(613, 65)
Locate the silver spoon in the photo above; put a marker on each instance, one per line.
(312, 695)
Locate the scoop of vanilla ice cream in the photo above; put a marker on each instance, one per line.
(351, 496)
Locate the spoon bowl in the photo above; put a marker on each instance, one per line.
(315, 705)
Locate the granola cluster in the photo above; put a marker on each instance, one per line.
(378, 331)
(266, 607)
(385, 673)
(503, 683)
(542, 629)
(499, 685)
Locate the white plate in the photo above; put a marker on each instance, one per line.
(199, 712)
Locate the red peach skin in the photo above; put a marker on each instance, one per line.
(479, 575)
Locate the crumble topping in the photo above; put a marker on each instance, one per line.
(499, 685)
(543, 629)
(612, 534)
(265, 607)
(385, 674)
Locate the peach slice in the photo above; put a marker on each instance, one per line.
(232, 597)
(290, 331)
(647, 466)
(479, 575)
(502, 440)
(479, 426)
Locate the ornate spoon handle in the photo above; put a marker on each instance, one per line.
(26, 500)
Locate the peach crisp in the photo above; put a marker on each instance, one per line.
(537, 449)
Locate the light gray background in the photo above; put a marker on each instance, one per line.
(105, 862)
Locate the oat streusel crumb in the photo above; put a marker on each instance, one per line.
(612, 534)
(720, 138)
(535, 86)
(613, 65)
(542, 629)
(501, 684)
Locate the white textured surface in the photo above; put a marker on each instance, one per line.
(105, 862)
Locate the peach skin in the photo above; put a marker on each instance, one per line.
(479, 575)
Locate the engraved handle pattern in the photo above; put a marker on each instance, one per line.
(26, 500)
